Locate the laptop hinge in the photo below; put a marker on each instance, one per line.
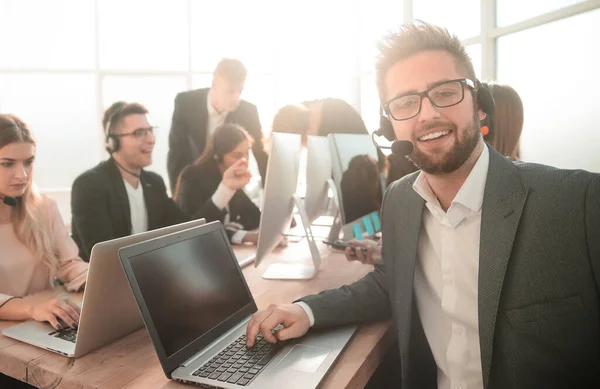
(215, 342)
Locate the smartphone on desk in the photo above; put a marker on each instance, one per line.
(341, 245)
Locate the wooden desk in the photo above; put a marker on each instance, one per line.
(132, 363)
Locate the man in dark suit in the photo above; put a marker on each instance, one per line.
(490, 268)
(199, 112)
(118, 198)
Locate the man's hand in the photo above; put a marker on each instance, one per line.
(292, 316)
(237, 175)
(372, 255)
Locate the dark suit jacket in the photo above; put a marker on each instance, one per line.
(187, 138)
(100, 206)
(539, 274)
(199, 183)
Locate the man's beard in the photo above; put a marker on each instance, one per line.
(450, 161)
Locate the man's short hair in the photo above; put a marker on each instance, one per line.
(233, 70)
(414, 38)
(115, 114)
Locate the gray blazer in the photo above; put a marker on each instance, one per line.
(539, 274)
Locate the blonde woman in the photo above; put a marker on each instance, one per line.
(36, 251)
(505, 125)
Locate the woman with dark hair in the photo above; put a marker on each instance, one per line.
(334, 116)
(292, 119)
(213, 185)
(505, 125)
(361, 188)
(397, 167)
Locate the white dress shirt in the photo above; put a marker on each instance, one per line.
(137, 208)
(215, 119)
(221, 199)
(446, 279)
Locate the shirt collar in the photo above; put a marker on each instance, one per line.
(211, 110)
(471, 192)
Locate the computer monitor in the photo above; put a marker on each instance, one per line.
(278, 205)
(343, 148)
(318, 177)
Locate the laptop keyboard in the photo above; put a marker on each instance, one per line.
(69, 334)
(237, 364)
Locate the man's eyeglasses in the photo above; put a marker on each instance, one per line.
(139, 133)
(442, 95)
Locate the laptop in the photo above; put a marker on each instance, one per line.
(108, 310)
(196, 304)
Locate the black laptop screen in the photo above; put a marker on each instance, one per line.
(189, 287)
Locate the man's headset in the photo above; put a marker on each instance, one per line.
(111, 142)
(487, 128)
(485, 101)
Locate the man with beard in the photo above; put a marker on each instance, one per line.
(490, 268)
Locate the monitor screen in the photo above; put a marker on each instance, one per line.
(189, 288)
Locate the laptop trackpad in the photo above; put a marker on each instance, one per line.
(307, 359)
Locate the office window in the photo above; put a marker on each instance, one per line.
(369, 102)
(47, 34)
(316, 54)
(157, 93)
(461, 18)
(514, 11)
(474, 52)
(260, 91)
(559, 88)
(143, 35)
(377, 19)
(61, 111)
(234, 29)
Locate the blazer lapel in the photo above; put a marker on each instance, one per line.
(119, 186)
(408, 219)
(152, 203)
(503, 202)
(198, 133)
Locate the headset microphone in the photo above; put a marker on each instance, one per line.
(125, 170)
(399, 147)
(10, 201)
(402, 147)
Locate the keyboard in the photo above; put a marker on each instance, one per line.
(69, 334)
(237, 364)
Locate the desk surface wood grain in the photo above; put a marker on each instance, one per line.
(132, 363)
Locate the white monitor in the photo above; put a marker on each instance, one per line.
(280, 186)
(318, 176)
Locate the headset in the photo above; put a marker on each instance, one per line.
(485, 101)
(487, 127)
(10, 201)
(111, 142)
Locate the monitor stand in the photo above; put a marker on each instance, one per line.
(293, 271)
(289, 271)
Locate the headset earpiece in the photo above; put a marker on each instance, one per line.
(486, 102)
(111, 142)
(386, 129)
(485, 99)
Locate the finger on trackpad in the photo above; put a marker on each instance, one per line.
(307, 359)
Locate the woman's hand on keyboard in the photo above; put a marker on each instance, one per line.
(291, 316)
(55, 309)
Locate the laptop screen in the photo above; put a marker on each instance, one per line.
(189, 288)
